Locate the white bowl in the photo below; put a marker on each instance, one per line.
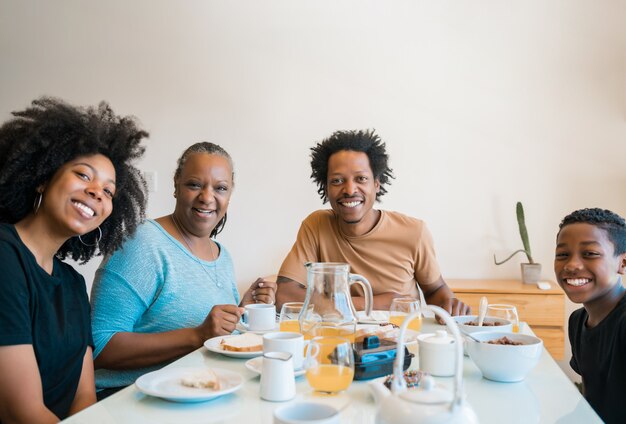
(306, 412)
(461, 320)
(505, 363)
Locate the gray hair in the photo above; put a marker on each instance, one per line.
(202, 147)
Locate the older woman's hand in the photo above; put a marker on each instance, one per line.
(219, 322)
(261, 291)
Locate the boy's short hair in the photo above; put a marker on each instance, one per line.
(612, 223)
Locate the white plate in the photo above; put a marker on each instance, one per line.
(214, 346)
(166, 384)
(377, 317)
(239, 327)
(256, 365)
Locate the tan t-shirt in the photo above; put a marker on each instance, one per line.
(395, 254)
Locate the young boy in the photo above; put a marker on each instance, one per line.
(589, 263)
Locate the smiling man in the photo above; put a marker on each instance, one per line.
(393, 251)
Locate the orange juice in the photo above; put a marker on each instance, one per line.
(291, 325)
(330, 378)
(398, 319)
(346, 331)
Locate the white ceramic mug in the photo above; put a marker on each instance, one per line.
(278, 382)
(306, 413)
(436, 353)
(286, 342)
(259, 317)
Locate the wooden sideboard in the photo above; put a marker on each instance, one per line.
(543, 310)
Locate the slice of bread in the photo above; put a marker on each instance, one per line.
(246, 342)
(206, 379)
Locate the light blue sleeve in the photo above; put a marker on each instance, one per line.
(110, 294)
(124, 287)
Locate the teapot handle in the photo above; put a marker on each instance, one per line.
(398, 383)
(367, 289)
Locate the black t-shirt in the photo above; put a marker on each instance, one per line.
(599, 356)
(49, 312)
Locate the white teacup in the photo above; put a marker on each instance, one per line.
(286, 342)
(259, 317)
(306, 413)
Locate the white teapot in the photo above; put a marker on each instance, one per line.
(428, 403)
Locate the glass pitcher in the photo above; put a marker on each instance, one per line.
(328, 308)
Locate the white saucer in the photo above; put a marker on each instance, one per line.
(240, 327)
(166, 384)
(214, 346)
(256, 365)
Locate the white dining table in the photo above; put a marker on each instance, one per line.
(545, 396)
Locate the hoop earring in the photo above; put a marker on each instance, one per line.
(97, 243)
(37, 202)
(219, 226)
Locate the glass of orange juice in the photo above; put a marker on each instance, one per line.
(508, 312)
(403, 306)
(329, 364)
(289, 314)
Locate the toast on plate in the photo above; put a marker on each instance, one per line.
(246, 342)
(206, 379)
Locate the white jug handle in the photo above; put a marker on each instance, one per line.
(367, 289)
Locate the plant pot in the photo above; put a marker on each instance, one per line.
(531, 273)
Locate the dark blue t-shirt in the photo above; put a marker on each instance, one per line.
(599, 356)
(49, 312)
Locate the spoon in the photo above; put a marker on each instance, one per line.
(466, 334)
(482, 310)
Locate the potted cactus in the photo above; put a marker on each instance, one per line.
(531, 271)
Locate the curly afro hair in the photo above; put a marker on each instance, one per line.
(358, 141)
(612, 223)
(43, 137)
(210, 149)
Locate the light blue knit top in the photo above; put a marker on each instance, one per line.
(154, 284)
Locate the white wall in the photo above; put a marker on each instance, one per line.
(482, 103)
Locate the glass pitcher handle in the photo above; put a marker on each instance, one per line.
(367, 289)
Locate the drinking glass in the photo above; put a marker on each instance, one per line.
(403, 306)
(289, 314)
(509, 312)
(329, 364)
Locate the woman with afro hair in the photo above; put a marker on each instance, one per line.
(67, 189)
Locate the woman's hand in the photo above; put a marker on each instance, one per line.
(261, 291)
(221, 321)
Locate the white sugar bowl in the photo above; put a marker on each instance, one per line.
(436, 353)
